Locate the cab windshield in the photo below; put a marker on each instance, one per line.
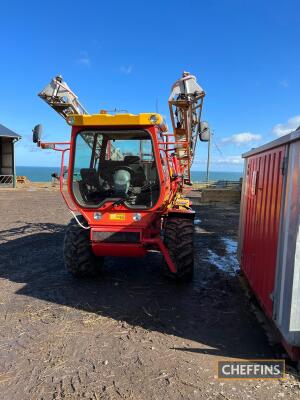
(115, 166)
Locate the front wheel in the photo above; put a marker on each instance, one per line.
(79, 259)
(179, 240)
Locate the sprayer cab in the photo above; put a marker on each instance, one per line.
(115, 159)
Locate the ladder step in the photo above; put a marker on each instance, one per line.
(180, 132)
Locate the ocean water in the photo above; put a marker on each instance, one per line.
(200, 176)
(37, 174)
(43, 174)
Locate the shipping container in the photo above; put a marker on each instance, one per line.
(269, 233)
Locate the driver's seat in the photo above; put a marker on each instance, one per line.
(89, 185)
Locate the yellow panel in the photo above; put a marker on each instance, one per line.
(181, 202)
(117, 217)
(118, 119)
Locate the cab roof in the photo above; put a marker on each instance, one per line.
(105, 119)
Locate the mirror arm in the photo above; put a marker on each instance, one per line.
(53, 145)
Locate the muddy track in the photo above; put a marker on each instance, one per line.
(130, 334)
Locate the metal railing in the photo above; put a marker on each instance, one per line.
(7, 180)
(221, 184)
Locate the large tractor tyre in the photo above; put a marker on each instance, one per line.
(179, 240)
(79, 259)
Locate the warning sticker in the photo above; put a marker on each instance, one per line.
(117, 217)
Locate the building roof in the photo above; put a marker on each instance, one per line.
(5, 132)
(291, 137)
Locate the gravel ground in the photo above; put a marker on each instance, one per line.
(129, 334)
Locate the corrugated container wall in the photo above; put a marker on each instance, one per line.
(269, 236)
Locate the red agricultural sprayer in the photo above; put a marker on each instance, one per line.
(126, 179)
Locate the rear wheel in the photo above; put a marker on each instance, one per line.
(79, 259)
(179, 240)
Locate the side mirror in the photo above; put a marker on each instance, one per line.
(37, 133)
(204, 132)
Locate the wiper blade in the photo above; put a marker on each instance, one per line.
(118, 202)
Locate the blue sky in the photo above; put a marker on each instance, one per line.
(127, 54)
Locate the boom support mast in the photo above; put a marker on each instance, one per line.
(185, 104)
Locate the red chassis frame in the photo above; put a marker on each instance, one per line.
(149, 227)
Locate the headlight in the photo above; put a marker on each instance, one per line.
(70, 120)
(137, 217)
(97, 216)
(153, 119)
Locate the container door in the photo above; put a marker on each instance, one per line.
(263, 194)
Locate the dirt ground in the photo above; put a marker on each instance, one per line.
(129, 334)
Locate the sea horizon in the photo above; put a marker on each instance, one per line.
(43, 174)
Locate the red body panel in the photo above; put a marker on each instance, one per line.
(263, 194)
(118, 249)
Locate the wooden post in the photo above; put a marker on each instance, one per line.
(208, 161)
(13, 162)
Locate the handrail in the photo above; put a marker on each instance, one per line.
(61, 180)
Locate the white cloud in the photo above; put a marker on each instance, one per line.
(84, 59)
(232, 160)
(242, 138)
(228, 160)
(283, 129)
(126, 69)
(284, 83)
